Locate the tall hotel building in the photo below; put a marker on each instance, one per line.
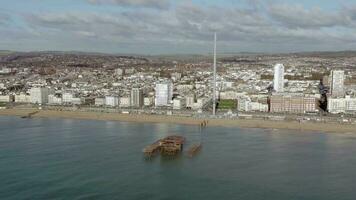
(39, 95)
(136, 97)
(278, 81)
(337, 83)
(164, 93)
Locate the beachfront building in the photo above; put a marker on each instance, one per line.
(148, 101)
(342, 105)
(54, 99)
(6, 98)
(178, 103)
(200, 103)
(99, 101)
(39, 95)
(190, 101)
(69, 98)
(164, 93)
(111, 101)
(292, 104)
(278, 80)
(136, 97)
(337, 83)
(22, 98)
(244, 104)
(125, 102)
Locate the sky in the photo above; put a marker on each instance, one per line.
(178, 26)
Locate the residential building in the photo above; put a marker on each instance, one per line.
(337, 83)
(22, 98)
(6, 98)
(278, 81)
(342, 105)
(136, 97)
(99, 101)
(54, 99)
(293, 104)
(39, 95)
(148, 101)
(111, 101)
(163, 93)
(178, 104)
(125, 102)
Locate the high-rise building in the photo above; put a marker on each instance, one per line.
(278, 81)
(337, 83)
(164, 93)
(39, 95)
(136, 97)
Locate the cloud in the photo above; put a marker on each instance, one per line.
(296, 16)
(158, 4)
(4, 18)
(188, 27)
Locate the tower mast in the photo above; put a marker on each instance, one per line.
(214, 84)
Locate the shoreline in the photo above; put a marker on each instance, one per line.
(144, 118)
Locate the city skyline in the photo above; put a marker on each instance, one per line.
(176, 27)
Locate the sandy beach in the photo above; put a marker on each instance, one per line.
(243, 123)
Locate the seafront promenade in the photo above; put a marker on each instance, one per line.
(329, 127)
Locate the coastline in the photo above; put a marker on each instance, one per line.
(144, 118)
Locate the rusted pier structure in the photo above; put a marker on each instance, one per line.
(203, 123)
(29, 115)
(170, 146)
(194, 149)
(152, 149)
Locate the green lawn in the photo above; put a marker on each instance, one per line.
(227, 104)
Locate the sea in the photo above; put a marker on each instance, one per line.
(50, 158)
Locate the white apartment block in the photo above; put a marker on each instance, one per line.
(337, 83)
(111, 101)
(136, 97)
(54, 100)
(342, 105)
(99, 101)
(278, 81)
(125, 102)
(178, 104)
(22, 98)
(6, 98)
(148, 101)
(39, 95)
(163, 93)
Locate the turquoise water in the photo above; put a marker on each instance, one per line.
(78, 159)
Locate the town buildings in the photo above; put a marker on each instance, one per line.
(146, 84)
